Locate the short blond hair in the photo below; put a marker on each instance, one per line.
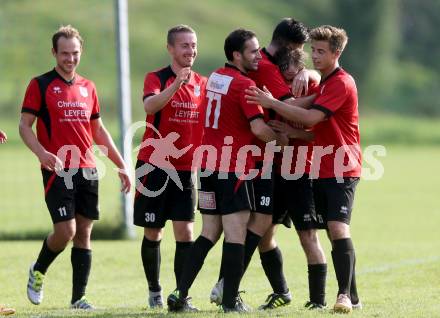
(336, 37)
(68, 32)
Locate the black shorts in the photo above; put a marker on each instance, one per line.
(224, 196)
(163, 200)
(65, 199)
(263, 192)
(333, 200)
(294, 200)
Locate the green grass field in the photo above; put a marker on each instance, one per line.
(395, 231)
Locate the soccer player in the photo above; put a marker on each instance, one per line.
(4, 311)
(225, 195)
(334, 115)
(290, 34)
(172, 101)
(66, 105)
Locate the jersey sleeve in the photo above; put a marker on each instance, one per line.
(95, 108)
(32, 99)
(251, 111)
(271, 77)
(331, 98)
(151, 85)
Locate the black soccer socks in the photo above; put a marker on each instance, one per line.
(150, 252)
(233, 261)
(45, 258)
(81, 260)
(343, 261)
(182, 249)
(272, 262)
(317, 274)
(193, 263)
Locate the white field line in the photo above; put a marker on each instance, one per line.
(401, 264)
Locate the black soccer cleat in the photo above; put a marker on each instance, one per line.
(314, 306)
(276, 300)
(179, 304)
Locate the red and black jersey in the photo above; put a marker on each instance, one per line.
(302, 150)
(64, 110)
(229, 114)
(268, 74)
(183, 114)
(338, 100)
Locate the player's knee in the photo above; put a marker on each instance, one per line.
(153, 234)
(66, 234)
(338, 230)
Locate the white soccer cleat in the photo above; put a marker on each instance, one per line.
(217, 293)
(35, 286)
(155, 300)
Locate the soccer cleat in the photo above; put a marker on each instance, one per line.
(217, 293)
(35, 286)
(357, 306)
(5, 311)
(155, 300)
(239, 307)
(343, 305)
(276, 300)
(314, 306)
(179, 304)
(83, 304)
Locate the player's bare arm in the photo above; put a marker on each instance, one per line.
(307, 117)
(154, 103)
(48, 160)
(290, 131)
(102, 138)
(263, 132)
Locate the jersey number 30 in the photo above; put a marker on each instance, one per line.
(211, 97)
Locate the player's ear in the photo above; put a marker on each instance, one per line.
(53, 52)
(236, 55)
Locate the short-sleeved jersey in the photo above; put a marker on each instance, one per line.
(338, 100)
(228, 114)
(183, 115)
(64, 110)
(268, 74)
(302, 150)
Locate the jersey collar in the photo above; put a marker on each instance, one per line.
(235, 67)
(71, 82)
(269, 57)
(336, 70)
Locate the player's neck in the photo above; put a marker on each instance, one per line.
(325, 73)
(67, 76)
(271, 49)
(239, 67)
(175, 67)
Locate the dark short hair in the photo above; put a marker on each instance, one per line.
(235, 42)
(290, 31)
(181, 28)
(67, 32)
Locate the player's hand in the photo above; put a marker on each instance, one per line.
(285, 128)
(125, 180)
(3, 137)
(282, 140)
(183, 76)
(300, 83)
(50, 162)
(254, 95)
